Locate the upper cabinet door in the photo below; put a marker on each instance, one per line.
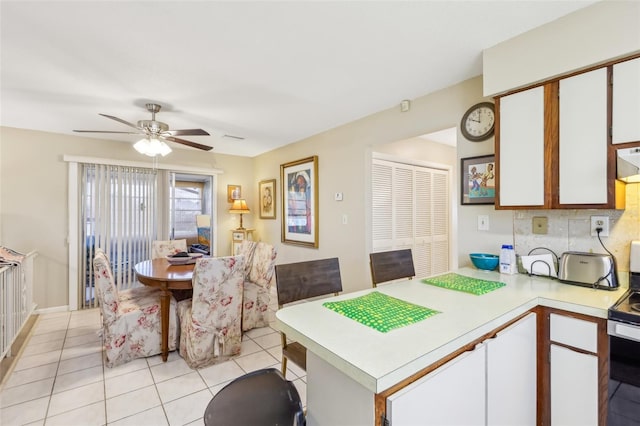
(583, 138)
(626, 102)
(521, 149)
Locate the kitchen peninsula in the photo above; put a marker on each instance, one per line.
(349, 365)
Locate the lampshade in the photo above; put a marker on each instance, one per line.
(152, 146)
(239, 206)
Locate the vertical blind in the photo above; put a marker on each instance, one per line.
(410, 209)
(118, 213)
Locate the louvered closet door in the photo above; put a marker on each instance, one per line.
(411, 210)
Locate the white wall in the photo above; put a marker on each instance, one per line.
(601, 32)
(344, 160)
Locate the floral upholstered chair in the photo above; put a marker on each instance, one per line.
(166, 248)
(210, 321)
(258, 278)
(130, 318)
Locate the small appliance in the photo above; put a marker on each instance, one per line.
(588, 269)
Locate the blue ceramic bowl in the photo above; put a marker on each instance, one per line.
(485, 261)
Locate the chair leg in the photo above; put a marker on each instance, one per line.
(284, 366)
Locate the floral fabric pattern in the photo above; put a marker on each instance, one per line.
(258, 278)
(130, 318)
(210, 321)
(162, 249)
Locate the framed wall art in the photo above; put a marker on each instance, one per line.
(300, 202)
(234, 192)
(477, 175)
(267, 198)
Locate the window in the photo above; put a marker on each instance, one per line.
(190, 197)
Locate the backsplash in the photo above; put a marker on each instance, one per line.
(569, 230)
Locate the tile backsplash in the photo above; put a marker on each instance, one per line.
(569, 230)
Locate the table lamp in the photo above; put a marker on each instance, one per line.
(239, 207)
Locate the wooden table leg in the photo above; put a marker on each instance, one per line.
(165, 305)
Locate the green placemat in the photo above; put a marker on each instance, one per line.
(379, 311)
(461, 283)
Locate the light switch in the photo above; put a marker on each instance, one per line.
(483, 222)
(338, 196)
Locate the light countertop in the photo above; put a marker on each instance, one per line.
(379, 360)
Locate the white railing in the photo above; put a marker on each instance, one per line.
(16, 301)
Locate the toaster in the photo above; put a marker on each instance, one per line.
(588, 269)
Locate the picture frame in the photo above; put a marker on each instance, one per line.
(478, 181)
(299, 180)
(267, 198)
(234, 192)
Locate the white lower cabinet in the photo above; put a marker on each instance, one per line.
(574, 373)
(511, 375)
(495, 384)
(454, 394)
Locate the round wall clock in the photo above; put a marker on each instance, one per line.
(478, 123)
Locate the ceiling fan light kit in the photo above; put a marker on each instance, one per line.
(155, 134)
(152, 146)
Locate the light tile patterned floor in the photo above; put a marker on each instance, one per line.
(60, 378)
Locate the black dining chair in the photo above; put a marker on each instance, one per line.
(391, 265)
(299, 281)
(260, 398)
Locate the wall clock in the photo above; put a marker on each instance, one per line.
(478, 123)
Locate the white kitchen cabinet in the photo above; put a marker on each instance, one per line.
(626, 102)
(521, 149)
(574, 373)
(453, 394)
(574, 387)
(511, 375)
(583, 138)
(495, 384)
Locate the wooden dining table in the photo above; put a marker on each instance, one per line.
(167, 277)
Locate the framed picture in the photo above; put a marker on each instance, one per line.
(267, 198)
(477, 175)
(233, 192)
(300, 202)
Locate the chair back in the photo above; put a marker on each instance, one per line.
(262, 397)
(391, 265)
(106, 289)
(304, 280)
(263, 264)
(217, 292)
(246, 249)
(162, 249)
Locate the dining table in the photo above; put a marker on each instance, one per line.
(167, 277)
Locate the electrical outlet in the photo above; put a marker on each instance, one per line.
(600, 222)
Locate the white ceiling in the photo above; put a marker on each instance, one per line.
(272, 72)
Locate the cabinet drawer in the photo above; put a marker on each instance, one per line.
(574, 332)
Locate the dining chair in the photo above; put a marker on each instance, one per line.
(261, 397)
(210, 321)
(391, 265)
(259, 275)
(131, 322)
(166, 248)
(296, 282)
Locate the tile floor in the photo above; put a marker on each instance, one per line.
(60, 378)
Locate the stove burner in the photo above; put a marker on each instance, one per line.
(635, 307)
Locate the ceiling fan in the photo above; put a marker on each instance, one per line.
(156, 130)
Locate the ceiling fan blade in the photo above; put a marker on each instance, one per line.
(187, 132)
(106, 131)
(120, 120)
(188, 143)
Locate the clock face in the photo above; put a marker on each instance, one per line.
(478, 122)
